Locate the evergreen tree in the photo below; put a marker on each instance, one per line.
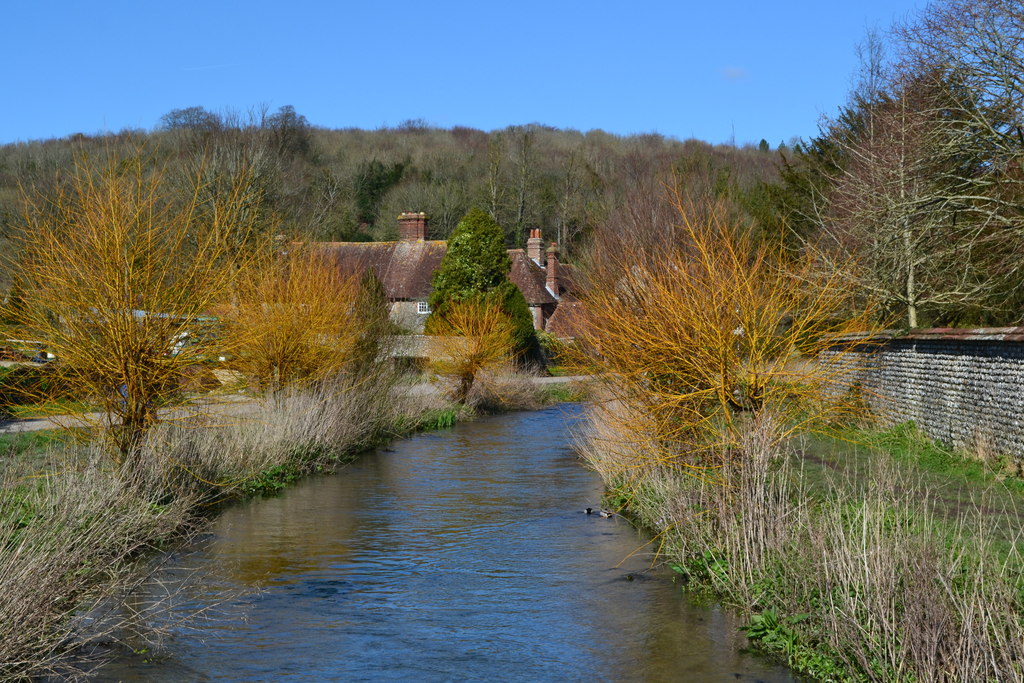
(476, 265)
(794, 205)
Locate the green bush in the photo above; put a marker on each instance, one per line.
(477, 265)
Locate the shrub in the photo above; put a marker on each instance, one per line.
(477, 264)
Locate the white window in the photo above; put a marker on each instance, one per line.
(422, 308)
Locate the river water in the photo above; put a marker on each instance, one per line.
(455, 555)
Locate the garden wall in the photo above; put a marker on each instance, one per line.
(964, 387)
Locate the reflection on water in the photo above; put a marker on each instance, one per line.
(459, 555)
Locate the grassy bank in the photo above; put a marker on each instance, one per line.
(877, 556)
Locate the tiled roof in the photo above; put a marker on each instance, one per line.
(404, 268)
(568, 281)
(529, 278)
(567, 320)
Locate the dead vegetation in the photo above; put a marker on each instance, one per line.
(71, 539)
(865, 582)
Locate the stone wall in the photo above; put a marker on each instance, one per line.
(962, 387)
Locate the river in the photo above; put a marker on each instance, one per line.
(455, 555)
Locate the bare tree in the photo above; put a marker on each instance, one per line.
(901, 222)
(495, 181)
(871, 79)
(524, 176)
(973, 52)
(570, 188)
(914, 188)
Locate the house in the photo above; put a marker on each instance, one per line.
(406, 268)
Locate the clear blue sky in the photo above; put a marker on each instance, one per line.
(686, 68)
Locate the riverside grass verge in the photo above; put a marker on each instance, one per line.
(75, 533)
(871, 571)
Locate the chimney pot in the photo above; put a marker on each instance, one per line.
(412, 226)
(553, 280)
(535, 246)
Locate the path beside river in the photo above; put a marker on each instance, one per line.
(224, 405)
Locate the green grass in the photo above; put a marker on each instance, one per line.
(21, 443)
(853, 448)
(905, 443)
(272, 480)
(955, 481)
(563, 393)
(443, 418)
(25, 455)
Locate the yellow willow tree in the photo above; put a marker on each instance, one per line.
(694, 328)
(299, 319)
(473, 340)
(118, 272)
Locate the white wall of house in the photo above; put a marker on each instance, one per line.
(408, 314)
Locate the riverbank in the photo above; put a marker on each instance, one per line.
(871, 556)
(75, 527)
(233, 405)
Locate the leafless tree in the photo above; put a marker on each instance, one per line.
(973, 52)
(901, 222)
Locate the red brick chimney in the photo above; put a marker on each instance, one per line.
(535, 246)
(553, 269)
(412, 226)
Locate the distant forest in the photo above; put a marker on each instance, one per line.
(350, 185)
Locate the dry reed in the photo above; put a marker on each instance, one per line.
(870, 580)
(73, 543)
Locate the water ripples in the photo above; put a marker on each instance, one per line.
(460, 555)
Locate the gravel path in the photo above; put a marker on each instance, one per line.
(228, 405)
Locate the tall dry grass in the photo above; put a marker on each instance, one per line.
(73, 542)
(868, 582)
(504, 388)
(69, 543)
(230, 446)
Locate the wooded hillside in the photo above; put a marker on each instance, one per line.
(349, 185)
(911, 192)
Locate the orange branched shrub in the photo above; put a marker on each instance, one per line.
(474, 339)
(298, 319)
(118, 271)
(694, 328)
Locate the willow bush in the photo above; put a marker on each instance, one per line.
(694, 328)
(119, 270)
